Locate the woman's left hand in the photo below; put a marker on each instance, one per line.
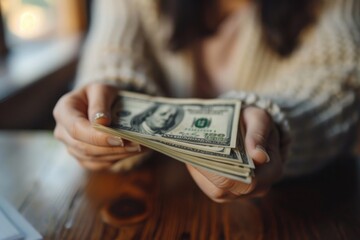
(262, 145)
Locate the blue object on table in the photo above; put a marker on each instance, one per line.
(13, 226)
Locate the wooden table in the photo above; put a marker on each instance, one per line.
(63, 201)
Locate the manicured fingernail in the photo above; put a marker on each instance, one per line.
(115, 141)
(101, 118)
(262, 149)
(133, 147)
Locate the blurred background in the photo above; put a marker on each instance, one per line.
(40, 42)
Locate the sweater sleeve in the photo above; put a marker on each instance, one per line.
(115, 53)
(115, 49)
(316, 103)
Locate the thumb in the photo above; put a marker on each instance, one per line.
(257, 125)
(100, 99)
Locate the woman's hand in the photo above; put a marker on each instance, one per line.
(74, 114)
(262, 145)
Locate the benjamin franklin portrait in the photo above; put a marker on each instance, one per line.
(158, 119)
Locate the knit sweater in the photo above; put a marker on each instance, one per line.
(312, 95)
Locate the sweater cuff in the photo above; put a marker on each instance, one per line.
(120, 71)
(251, 99)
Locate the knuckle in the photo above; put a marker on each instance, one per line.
(258, 137)
(96, 139)
(56, 110)
(59, 102)
(81, 147)
(59, 105)
(92, 159)
(75, 129)
(88, 162)
(218, 194)
(224, 183)
(242, 189)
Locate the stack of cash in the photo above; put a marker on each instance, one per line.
(203, 133)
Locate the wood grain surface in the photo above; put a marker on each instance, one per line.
(159, 200)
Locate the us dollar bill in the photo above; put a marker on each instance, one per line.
(190, 121)
(237, 156)
(231, 170)
(203, 133)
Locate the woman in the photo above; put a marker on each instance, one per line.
(293, 63)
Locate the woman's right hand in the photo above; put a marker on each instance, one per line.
(74, 114)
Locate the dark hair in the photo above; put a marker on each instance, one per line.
(282, 21)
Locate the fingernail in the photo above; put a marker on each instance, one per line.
(101, 118)
(261, 148)
(133, 147)
(115, 141)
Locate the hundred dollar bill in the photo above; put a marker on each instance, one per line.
(213, 149)
(235, 158)
(190, 121)
(203, 133)
(230, 170)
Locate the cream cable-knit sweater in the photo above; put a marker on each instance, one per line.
(316, 88)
